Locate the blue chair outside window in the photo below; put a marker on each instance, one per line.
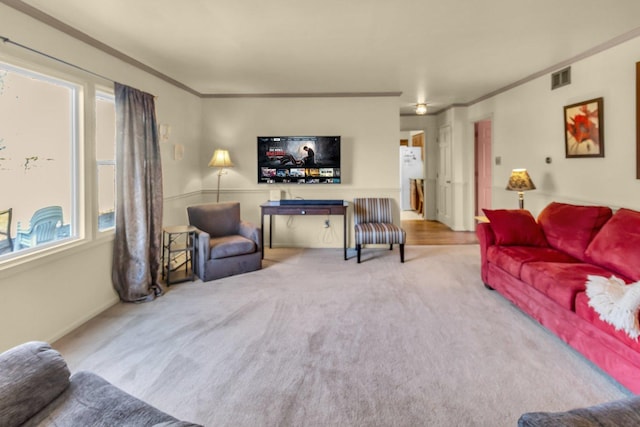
(44, 227)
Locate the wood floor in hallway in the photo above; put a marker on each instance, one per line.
(421, 232)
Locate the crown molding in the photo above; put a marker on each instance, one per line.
(85, 38)
(303, 95)
(629, 35)
(81, 36)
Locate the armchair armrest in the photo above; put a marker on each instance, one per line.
(252, 232)
(203, 251)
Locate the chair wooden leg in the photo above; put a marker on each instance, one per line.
(401, 252)
(358, 248)
(391, 246)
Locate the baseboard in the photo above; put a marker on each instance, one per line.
(81, 321)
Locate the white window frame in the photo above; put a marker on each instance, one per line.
(77, 113)
(106, 95)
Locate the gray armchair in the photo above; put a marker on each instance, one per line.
(225, 244)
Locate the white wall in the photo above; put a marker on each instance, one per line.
(45, 298)
(528, 126)
(368, 127)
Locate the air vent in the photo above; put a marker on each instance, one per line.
(561, 78)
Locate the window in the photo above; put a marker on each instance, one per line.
(106, 159)
(38, 157)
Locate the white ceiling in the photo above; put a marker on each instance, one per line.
(441, 52)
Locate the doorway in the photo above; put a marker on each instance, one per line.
(424, 228)
(412, 172)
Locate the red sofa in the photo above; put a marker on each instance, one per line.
(542, 267)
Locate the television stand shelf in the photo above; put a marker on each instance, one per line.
(272, 208)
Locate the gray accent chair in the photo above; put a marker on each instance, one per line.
(36, 389)
(225, 244)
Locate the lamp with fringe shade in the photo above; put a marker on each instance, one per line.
(520, 181)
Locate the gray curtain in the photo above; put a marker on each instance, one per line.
(137, 245)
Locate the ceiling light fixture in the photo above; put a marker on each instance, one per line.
(421, 109)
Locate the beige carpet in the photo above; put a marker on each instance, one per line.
(313, 340)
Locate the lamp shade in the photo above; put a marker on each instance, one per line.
(220, 159)
(520, 181)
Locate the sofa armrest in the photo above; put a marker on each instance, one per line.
(91, 401)
(624, 412)
(203, 251)
(486, 238)
(251, 232)
(33, 375)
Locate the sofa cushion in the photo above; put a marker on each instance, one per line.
(623, 412)
(228, 246)
(560, 281)
(617, 245)
(33, 374)
(570, 228)
(587, 313)
(515, 227)
(512, 258)
(92, 401)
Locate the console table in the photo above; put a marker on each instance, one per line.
(272, 208)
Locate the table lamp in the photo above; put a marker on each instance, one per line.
(520, 181)
(220, 160)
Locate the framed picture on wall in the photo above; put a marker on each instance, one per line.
(584, 129)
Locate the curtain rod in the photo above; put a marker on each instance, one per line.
(46, 55)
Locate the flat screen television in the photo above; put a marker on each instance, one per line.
(299, 159)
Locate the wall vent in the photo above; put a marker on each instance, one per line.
(561, 78)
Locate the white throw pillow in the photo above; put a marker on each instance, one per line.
(615, 302)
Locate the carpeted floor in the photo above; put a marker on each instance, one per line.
(312, 340)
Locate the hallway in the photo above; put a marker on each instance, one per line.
(421, 232)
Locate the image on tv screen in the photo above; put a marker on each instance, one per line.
(299, 159)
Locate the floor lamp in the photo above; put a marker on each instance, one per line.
(220, 160)
(520, 181)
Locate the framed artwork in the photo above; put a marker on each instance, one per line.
(584, 129)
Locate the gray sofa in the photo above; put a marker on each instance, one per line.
(36, 389)
(617, 413)
(225, 244)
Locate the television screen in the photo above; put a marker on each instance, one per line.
(299, 159)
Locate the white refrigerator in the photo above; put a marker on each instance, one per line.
(411, 167)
